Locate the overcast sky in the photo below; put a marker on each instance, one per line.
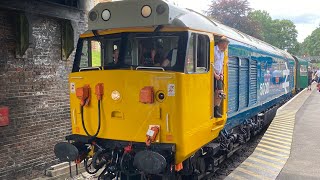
(304, 13)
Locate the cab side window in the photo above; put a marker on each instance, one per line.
(91, 54)
(197, 60)
(96, 53)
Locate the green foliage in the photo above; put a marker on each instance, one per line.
(284, 35)
(96, 58)
(264, 21)
(259, 24)
(311, 45)
(232, 13)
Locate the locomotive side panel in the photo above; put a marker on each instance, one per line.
(257, 81)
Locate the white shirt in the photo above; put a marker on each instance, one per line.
(318, 73)
(218, 60)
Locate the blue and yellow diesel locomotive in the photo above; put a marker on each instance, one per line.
(142, 91)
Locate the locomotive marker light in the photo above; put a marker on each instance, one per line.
(93, 16)
(115, 95)
(160, 9)
(106, 15)
(146, 11)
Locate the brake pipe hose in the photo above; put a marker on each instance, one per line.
(99, 121)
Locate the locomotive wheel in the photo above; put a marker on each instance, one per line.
(88, 166)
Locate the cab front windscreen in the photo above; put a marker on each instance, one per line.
(132, 50)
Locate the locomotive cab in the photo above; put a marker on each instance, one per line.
(139, 89)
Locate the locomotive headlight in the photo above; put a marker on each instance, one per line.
(106, 15)
(115, 95)
(146, 11)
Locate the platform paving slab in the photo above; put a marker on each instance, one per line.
(304, 160)
(273, 151)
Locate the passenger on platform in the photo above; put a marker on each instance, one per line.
(317, 78)
(219, 51)
(310, 73)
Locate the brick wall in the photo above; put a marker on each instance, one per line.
(35, 88)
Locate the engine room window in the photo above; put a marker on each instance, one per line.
(198, 54)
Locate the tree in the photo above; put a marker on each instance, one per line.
(284, 35)
(259, 24)
(264, 24)
(311, 45)
(233, 13)
(280, 33)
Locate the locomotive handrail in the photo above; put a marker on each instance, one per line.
(145, 67)
(89, 68)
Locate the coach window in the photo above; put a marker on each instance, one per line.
(197, 60)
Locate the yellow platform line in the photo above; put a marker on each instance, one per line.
(277, 139)
(274, 148)
(282, 124)
(284, 143)
(284, 120)
(277, 134)
(280, 132)
(274, 144)
(269, 157)
(265, 162)
(282, 114)
(281, 129)
(285, 116)
(257, 166)
(289, 122)
(271, 152)
(235, 176)
(258, 176)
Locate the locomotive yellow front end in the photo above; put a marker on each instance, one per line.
(141, 95)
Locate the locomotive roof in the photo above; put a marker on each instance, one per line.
(129, 13)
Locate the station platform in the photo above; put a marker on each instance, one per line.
(290, 148)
